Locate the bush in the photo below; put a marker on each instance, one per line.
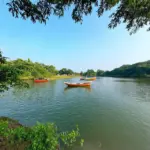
(39, 137)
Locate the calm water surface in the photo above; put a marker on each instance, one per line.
(113, 115)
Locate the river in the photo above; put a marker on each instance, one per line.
(114, 114)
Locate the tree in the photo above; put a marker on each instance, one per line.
(90, 73)
(81, 73)
(69, 72)
(29, 61)
(35, 74)
(2, 58)
(51, 69)
(141, 69)
(99, 72)
(135, 13)
(9, 77)
(65, 71)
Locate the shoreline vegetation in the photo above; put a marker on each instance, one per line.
(137, 70)
(29, 70)
(52, 77)
(15, 136)
(15, 72)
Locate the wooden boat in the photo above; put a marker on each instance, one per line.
(78, 84)
(90, 79)
(40, 80)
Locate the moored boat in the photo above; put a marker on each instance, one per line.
(90, 79)
(84, 84)
(40, 80)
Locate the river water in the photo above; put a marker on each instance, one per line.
(114, 114)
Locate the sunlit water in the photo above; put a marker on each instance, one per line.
(113, 115)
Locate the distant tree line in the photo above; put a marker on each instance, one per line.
(65, 71)
(11, 72)
(140, 69)
(92, 73)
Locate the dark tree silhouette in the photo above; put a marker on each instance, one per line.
(2, 58)
(135, 13)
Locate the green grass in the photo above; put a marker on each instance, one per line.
(51, 77)
(62, 77)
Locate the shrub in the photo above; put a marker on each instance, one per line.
(39, 137)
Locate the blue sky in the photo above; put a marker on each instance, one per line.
(64, 43)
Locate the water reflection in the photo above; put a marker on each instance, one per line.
(137, 80)
(137, 89)
(125, 80)
(72, 88)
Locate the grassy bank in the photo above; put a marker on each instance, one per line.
(14, 136)
(62, 77)
(51, 78)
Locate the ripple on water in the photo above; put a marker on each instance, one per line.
(114, 112)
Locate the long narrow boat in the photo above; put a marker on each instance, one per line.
(78, 84)
(90, 79)
(40, 80)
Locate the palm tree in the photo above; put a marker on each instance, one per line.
(2, 58)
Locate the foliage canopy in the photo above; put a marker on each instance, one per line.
(11, 72)
(89, 73)
(66, 71)
(135, 13)
(141, 69)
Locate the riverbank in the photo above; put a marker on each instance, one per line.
(51, 78)
(15, 136)
(63, 77)
(5, 125)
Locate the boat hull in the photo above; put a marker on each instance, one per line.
(40, 81)
(78, 85)
(90, 79)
